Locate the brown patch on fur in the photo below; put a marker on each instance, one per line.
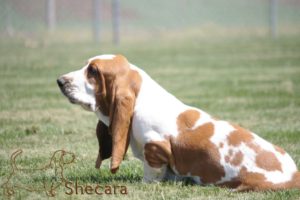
(193, 152)
(268, 161)
(108, 76)
(116, 88)
(254, 147)
(253, 181)
(278, 149)
(295, 182)
(158, 153)
(187, 119)
(238, 136)
(237, 159)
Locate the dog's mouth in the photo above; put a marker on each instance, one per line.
(71, 98)
(70, 92)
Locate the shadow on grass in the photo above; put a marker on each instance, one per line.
(106, 178)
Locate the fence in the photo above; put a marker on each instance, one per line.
(117, 20)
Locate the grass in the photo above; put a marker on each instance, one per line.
(254, 82)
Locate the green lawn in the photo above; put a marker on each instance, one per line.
(254, 82)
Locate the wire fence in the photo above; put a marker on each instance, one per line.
(115, 20)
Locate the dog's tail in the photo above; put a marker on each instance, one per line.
(13, 158)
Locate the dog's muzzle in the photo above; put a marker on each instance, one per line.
(64, 87)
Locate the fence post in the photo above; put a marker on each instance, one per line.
(8, 21)
(96, 19)
(116, 21)
(273, 17)
(50, 15)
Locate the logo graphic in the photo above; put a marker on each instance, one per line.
(44, 179)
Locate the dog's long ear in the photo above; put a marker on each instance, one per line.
(122, 111)
(101, 93)
(126, 86)
(105, 143)
(121, 85)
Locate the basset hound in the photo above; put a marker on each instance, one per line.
(170, 137)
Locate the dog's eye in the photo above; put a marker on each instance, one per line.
(92, 71)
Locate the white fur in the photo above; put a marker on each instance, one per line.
(103, 57)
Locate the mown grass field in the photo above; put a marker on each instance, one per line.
(254, 82)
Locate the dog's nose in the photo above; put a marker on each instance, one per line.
(60, 82)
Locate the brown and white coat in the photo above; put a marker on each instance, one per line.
(169, 136)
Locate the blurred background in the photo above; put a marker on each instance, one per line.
(116, 21)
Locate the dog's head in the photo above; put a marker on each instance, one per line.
(107, 86)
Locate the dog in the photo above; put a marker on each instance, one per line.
(168, 136)
(54, 168)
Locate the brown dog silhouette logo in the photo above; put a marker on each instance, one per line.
(44, 179)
